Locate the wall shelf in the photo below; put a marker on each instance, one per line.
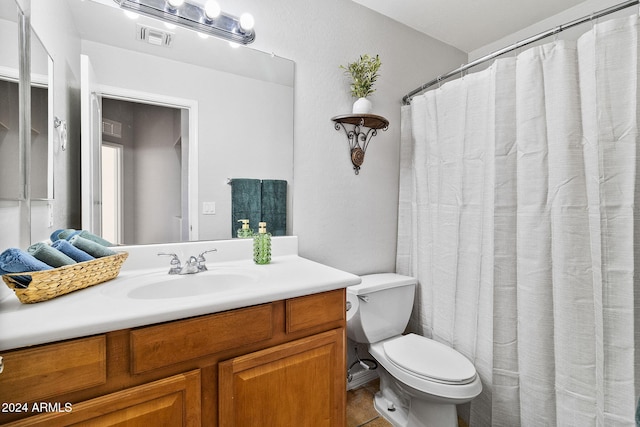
(360, 129)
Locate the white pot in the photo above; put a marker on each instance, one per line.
(362, 106)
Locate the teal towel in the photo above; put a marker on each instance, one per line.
(49, 255)
(66, 234)
(274, 206)
(245, 203)
(94, 238)
(92, 248)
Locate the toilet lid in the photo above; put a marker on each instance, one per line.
(430, 359)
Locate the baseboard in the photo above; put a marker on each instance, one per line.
(361, 377)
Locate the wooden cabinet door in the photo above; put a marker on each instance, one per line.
(301, 383)
(173, 401)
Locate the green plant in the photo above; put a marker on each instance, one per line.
(364, 73)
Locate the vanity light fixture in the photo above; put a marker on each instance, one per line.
(207, 19)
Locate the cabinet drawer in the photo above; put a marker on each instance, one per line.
(163, 345)
(314, 310)
(173, 401)
(52, 370)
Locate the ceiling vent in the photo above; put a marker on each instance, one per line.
(154, 36)
(111, 128)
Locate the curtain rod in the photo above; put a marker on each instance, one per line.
(407, 98)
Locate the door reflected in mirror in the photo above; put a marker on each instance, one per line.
(142, 144)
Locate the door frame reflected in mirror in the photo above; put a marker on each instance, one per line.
(91, 220)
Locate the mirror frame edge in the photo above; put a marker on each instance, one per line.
(24, 119)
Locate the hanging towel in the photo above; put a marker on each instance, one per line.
(49, 255)
(71, 251)
(245, 203)
(274, 206)
(90, 247)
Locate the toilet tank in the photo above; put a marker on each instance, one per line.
(380, 306)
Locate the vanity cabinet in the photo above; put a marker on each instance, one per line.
(281, 363)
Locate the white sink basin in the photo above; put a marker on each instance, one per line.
(160, 285)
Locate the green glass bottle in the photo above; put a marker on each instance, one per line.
(244, 232)
(262, 245)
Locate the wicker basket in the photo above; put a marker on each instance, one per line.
(48, 284)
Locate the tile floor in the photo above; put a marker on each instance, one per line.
(360, 410)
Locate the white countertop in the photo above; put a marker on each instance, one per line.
(105, 307)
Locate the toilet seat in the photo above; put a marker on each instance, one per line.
(429, 360)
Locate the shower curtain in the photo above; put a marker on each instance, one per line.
(517, 215)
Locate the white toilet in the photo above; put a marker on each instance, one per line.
(421, 380)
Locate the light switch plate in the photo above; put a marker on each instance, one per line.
(208, 208)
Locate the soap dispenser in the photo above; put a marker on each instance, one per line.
(244, 232)
(262, 245)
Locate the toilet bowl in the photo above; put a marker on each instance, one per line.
(421, 380)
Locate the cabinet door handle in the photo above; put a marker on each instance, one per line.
(1, 364)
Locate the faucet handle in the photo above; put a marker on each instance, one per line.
(201, 256)
(201, 260)
(175, 262)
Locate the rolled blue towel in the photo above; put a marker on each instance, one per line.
(49, 255)
(56, 234)
(68, 234)
(71, 251)
(16, 261)
(90, 247)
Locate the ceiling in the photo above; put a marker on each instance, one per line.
(469, 24)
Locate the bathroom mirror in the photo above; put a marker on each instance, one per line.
(41, 117)
(238, 104)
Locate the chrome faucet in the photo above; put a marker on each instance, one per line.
(193, 265)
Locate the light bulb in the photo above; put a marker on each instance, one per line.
(175, 3)
(212, 9)
(246, 21)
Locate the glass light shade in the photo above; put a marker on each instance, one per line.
(246, 21)
(212, 9)
(175, 3)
